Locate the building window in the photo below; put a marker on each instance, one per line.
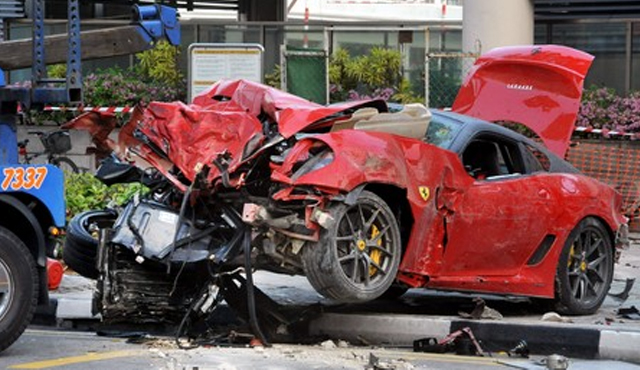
(606, 41)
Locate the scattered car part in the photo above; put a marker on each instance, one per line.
(622, 296)
(631, 313)
(519, 350)
(555, 362)
(462, 341)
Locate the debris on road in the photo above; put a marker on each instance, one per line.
(555, 317)
(481, 311)
(555, 362)
(631, 313)
(462, 342)
(328, 344)
(622, 296)
(376, 364)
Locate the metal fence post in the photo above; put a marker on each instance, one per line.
(426, 66)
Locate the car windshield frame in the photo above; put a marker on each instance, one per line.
(442, 130)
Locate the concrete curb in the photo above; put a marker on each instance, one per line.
(571, 340)
(401, 330)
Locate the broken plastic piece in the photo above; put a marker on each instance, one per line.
(622, 296)
(462, 341)
(631, 313)
(521, 349)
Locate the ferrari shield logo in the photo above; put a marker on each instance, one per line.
(424, 192)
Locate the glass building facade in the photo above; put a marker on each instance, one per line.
(608, 29)
(615, 45)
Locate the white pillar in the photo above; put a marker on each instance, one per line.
(487, 24)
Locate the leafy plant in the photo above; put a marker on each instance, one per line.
(405, 94)
(375, 75)
(121, 87)
(57, 71)
(273, 79)
(602, 108)
(84, 192)
(161, 64)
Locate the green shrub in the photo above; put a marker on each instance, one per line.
(84, 192)
(160, 64)
(377, 75)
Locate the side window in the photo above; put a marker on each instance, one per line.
(487, 157)
(536, 160)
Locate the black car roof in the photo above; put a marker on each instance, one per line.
(473, 126)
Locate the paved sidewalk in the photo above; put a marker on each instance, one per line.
(424, 313)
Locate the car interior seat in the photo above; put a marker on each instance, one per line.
(359, 115)
(412, 121)
(482, 159)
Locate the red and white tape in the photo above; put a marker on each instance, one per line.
(50, 108)
(604, 132)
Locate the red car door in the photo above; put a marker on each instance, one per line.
(497, 226)
(502, 217)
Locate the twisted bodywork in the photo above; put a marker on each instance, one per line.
(363, 197)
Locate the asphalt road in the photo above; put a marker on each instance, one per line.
(54, 349)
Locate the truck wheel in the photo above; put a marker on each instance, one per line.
(18, 287)
(80, 246)
(357, 257)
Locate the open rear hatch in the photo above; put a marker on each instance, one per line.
(539, 86)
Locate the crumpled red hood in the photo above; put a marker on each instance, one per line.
(222, 124)
(292, 113)
(193, 137)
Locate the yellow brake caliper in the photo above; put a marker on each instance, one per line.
(375, 254)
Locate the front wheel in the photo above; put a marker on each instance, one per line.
(65, 164)
(585, 269)
(357, 257)
(18, 288)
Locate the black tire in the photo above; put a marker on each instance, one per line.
(80, 246)
(18, 288)
(65, 164)
(585, 269)
(363, 236)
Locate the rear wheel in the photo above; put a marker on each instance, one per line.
(65, 164)
(18, 287)
(357, 257)
(585, 269)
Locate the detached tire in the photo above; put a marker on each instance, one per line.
(18, 288)
(585, 269)
(356, 258)
(80, 247)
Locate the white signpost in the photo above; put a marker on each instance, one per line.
(209, 63)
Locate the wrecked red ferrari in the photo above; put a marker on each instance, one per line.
(365, 199)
